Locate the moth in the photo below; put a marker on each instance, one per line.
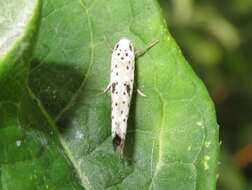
(121, 88)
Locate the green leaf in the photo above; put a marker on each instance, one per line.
(172, 138)
(31, 155)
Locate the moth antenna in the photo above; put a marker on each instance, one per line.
(141, 52)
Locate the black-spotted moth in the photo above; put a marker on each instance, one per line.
(121, 88)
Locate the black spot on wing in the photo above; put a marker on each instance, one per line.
(117, 45)
(128, 89)
(113, 87)
(130, 47)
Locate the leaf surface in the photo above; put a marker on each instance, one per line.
(31, 155)
(172, 137)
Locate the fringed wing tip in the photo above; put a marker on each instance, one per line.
(118, 144)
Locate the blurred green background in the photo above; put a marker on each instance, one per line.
(216, 39)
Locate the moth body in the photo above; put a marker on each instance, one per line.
(121, 88)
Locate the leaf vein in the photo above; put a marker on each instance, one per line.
(83, 83)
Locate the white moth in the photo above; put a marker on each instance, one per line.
(121, 88)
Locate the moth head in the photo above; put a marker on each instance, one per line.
(124, 44)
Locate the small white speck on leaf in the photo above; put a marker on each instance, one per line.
(18, 143)
(79, 135)
(189, 148)
(206, 159)
(199, 123)
(207, 144)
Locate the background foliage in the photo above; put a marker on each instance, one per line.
(216, 37)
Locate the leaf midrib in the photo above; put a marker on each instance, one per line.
(91, 62)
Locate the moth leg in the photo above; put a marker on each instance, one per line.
(107, 89)
(141, 52)
(140, 93)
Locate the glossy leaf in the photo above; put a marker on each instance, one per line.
(31, 155)
(172, 138)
